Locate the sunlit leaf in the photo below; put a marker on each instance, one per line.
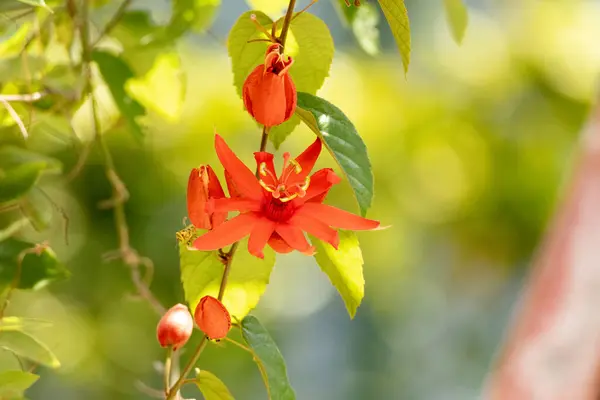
(25, 345)
(272, 362)
(36, 271)
(309, 43)
(343, 141)
(344, 267)
(397, 17)
(363, 21)
(36, 3)
(14, 383)
(13, 323)
(270, 7)
(13, 70)
(17, 181)
(458, 18)
(163, 88)
(212, 388)
(116, 73)
(201, 274)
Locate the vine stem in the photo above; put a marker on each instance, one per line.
(286, 22)
(168, 365)
(120, 195)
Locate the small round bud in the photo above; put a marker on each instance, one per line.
(212, 318)
(175, 327)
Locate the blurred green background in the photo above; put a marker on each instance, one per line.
(470, 152)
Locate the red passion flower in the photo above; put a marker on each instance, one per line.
(269, 93)
(277, 210)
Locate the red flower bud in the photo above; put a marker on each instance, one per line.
(212, 318)
(175, 327)
(269, 93)
(203, 185)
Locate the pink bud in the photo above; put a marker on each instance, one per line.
(175, 327)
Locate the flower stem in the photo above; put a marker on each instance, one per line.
(168, 365)
(173, 391)
(286, 23)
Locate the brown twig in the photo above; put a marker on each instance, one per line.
(120, 194)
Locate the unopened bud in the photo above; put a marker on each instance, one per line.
(203, 185)
(212, 318)
(175, 327)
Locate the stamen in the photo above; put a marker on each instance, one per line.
(261, 28)
(286, 199)
(262, 168)
(296, 165)
(268, 188)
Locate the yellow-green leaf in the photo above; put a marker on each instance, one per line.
(201, 274)
(13, 323)
(270, 7)
(344, 267)
(212, 388)
(458, 18)
(163, 88)
(363, 21)
(397, 17)
(25, 345)
(14, 383)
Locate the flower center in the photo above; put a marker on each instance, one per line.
(289, 185)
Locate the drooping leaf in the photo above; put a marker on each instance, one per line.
(36, 271)
(13, 323)
(397, 17)
(201, 274)
(212, 388)
(343, 141)
(458, 18)
(163, 88)
(25, 345)
(14, 383)
(344, 267)
(309, 43)
(188, 15)
(363, 21)
(116, 74)
(17, 181)
(269, 7)
(272, 362)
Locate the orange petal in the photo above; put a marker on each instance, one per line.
(225, 205)
(308, 158)
(245, 181)
(320, 183)
(279, 245)
(295, 238)
(291, 97)
(259, 236)
(212, 318)
(317, 228)
(227, 233)
(336, 218)
(197, 196)
(269, 176)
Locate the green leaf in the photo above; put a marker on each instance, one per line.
(270, 358)
(212, 388)
(344, 267)
(37, 208)
(37, 271)
(458, 18)
(22, 324)
(397, 17)
(36, 3)
(363, 21)
(13, 156)
(116, 73)
(163, 88)
(13, 227)
(25, 345)
(201, 274)
(269, 7)
(191, 15)
(309, 43)
(14, 383)
(343, 141)
(17, 181)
